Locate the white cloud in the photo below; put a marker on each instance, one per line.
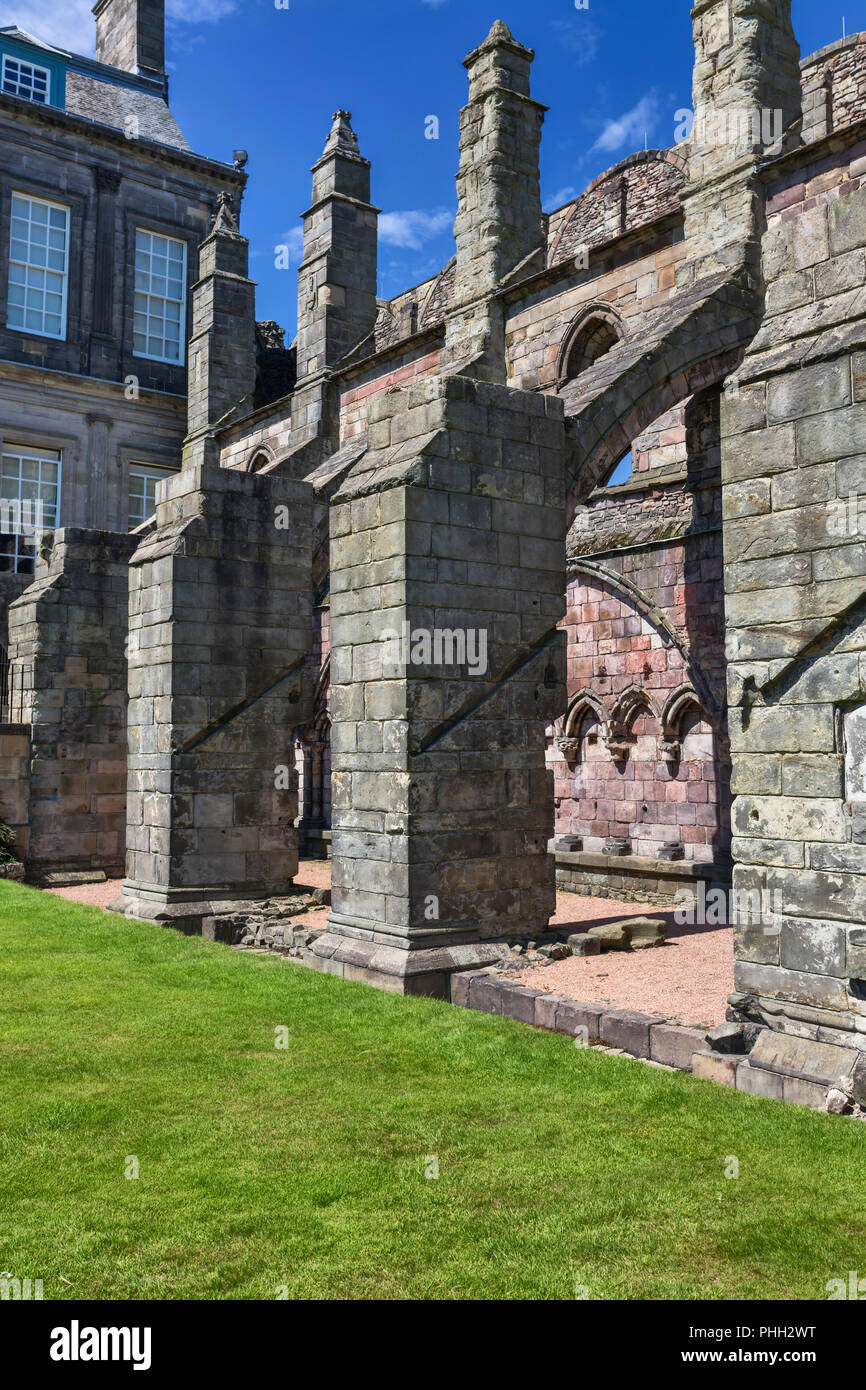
(433, 4)
(294, 239)
(557, 199)
(412, 228)
(72, 26)
(180, 11)
(579, 36)
(629, 128)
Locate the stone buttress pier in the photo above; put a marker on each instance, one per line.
(220, 622)
(447, 583)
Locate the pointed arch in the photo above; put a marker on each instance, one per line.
(581, 706)
(629, 704)
(677, 704)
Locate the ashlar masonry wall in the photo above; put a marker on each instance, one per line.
(794, 470)
(68, 634)
(453, 523)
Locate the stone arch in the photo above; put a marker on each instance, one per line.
(679, 704)
(603, 574)
(593, 333)
(676, 706)
(582, 705)
(313, 761)
(439, 296)
(693, 343)
(634, 192)
(261, 458)
(630, 704)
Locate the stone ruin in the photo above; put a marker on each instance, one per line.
(672, 677)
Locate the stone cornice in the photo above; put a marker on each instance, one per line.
(94, 131)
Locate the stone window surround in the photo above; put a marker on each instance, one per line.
(40, 452)
(153, 456)
(65, 444)
(77, 205)
(140, 218)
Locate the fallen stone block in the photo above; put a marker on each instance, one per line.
(645, 931)
(613, 936)
(837, 1102)
(556, 950)
(733, 1037)
(582, 944)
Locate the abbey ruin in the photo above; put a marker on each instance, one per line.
(673, 689)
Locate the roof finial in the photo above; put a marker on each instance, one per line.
(342, 137)
(225, 220)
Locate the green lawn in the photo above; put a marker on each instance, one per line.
(305, 1167)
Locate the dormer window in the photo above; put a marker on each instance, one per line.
(25, 80)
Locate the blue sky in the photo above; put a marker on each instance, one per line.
(246, 74)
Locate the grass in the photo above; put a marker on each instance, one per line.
(304, 1168)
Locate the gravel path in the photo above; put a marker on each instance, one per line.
(689, 978)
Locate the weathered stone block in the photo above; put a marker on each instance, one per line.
(674, 1046)
(628, 1029)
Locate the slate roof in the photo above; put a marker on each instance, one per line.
(111, 96)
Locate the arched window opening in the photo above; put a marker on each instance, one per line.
(594, 339)
(620, 473)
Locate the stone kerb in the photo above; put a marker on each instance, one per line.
(449, 531)
(220, 623)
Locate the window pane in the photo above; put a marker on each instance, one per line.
(143, 479)
(39, 265)
(29, 497)
(160, 296)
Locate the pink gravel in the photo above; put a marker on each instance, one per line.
(689, 978)
(93, 894)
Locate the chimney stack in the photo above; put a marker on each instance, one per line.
(130, 34)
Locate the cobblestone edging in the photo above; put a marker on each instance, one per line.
(776, 1068)
(648, 1036)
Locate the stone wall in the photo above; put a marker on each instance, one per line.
(794, 442)
(67, 648)
(453, 523)
(220, 624)
(15, 783)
